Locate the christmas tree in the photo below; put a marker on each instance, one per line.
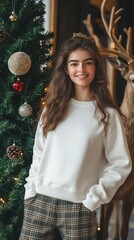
(25, 69)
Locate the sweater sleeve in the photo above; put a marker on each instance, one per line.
(30, 190)
(118, 165)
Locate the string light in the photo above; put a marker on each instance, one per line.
(98, 228)
(45, 89)
(42, 102)
(112, 45)
(2, 200)
(16, 179)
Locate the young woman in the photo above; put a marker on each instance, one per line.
(80, 154)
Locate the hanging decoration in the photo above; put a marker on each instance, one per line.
(13, 17)
(14, 152)
(25, 110)
(18, 85)
(19, 63)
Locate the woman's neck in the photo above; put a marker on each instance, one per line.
(83, 95)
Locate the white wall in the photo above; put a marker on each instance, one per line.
(47, 14)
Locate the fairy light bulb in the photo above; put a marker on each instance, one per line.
(98, 228)
(112, 45)
(45, 89)
(2, 200)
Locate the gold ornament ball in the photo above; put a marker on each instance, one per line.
(13, 17)
(19, 63)
(25, 110)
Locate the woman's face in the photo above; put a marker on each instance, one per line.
(81, 68)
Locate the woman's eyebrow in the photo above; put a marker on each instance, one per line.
(87, 59)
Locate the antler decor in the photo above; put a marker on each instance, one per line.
(120, 51)
(110, 29)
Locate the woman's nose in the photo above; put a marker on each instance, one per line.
(81, 68)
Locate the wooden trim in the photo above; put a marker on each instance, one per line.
(53, 20)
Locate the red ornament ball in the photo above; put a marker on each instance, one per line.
(18, 85)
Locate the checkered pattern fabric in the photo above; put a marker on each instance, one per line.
(43, 215)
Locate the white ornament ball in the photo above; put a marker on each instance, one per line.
(25, 110)
(19, 63)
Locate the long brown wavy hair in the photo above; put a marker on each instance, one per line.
(61, 88)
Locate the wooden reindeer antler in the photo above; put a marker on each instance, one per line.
(103, 50)
(119, 50)
(125, 53)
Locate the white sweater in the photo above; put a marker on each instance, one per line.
(78, 161)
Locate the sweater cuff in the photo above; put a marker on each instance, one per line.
(91, 202)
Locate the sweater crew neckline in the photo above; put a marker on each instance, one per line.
(82, 103)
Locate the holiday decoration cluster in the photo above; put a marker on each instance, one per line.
(19, 64)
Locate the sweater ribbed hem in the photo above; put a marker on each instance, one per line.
(60, 193)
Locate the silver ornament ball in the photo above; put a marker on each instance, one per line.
(25, 110)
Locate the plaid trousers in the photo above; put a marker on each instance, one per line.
(47, 218)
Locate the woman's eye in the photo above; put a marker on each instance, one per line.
(90, 62)
(74, 64)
